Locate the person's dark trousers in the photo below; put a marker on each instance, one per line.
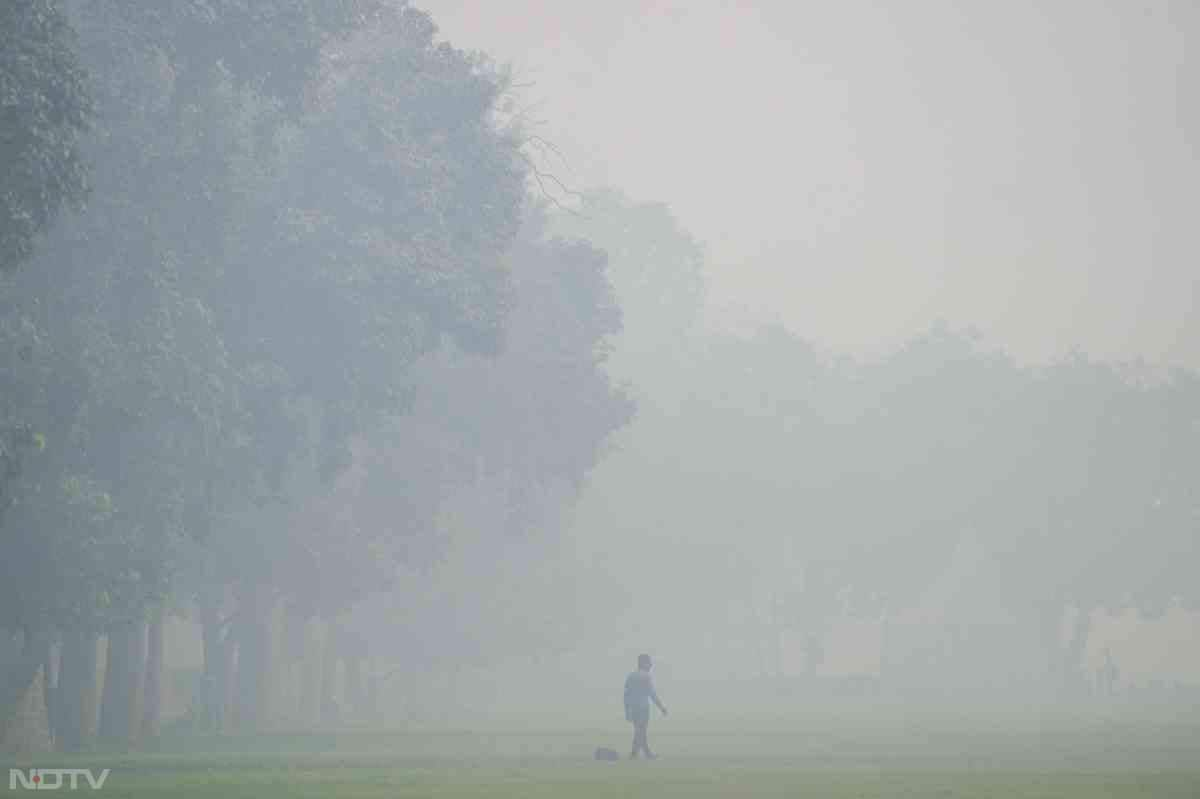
(639, 738)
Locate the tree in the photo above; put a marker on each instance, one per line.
(273, 47)
(1106, 486)
(493, 487)
(657, 271)
(45, 109)
(227, 320)
(376, 231)
(1006, 501)
(128, 376)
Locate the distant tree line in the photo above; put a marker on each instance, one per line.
(1004, 504)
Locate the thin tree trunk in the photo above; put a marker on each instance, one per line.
(310, 676)
(226, 685)
(814, 655)
(114, 698)
(152, 714)
(19, 677)
(120, 712)
(137, 682)
(329, 707)
(51, 670)
(354, 693)
(89, 687)
(292, 667)
(77, 690)
(1077, 646)
(66, 722)
(373, 711)
(264, 629)
(254, 660)
(245, 677)
(295, 629)
(218, 666)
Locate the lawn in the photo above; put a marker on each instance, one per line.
(898, 759)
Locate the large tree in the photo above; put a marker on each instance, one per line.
(131, 380)
(377, 231)
(998, 504)
(44, 110)
(504, 447)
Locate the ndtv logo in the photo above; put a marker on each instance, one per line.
(51, 779)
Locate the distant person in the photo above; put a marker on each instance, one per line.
(639, 693)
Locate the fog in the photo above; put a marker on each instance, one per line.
(1023, 168)
(378, 366)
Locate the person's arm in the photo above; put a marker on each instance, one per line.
(657, 703)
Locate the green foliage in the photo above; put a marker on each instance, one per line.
(45, 108)
(271, 46)
(292, 202)
(450, 491)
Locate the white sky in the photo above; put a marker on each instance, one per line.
(859, 169)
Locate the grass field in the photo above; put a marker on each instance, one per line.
(938, 759)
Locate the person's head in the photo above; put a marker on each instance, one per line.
(644, 663)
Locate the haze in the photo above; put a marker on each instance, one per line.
(858, 171)
(373, 374)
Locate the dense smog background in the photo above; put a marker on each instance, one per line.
(377, 365)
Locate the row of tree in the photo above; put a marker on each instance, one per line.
(305, 222)
(982, 511)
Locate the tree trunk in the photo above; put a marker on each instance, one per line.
(373, 711)
(66, 720)
(310, 676)
(228, 684)
(295, 630)
(137, 681)
(354, 687)
(77, 691)
(814, 655)
(220, 668)
(1077, 646)
(51, 670)
(120, 713)
(215, 672)
(292, 667)
(152, 715)
(245, 678)
(329, 706)
(254, 660)
(114, 701)
(18, 678)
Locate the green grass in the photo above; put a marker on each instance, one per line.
(649, 780)
(929, 759)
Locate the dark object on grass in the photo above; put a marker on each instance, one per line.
(604, 753)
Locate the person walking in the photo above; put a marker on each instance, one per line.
(639, 693)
